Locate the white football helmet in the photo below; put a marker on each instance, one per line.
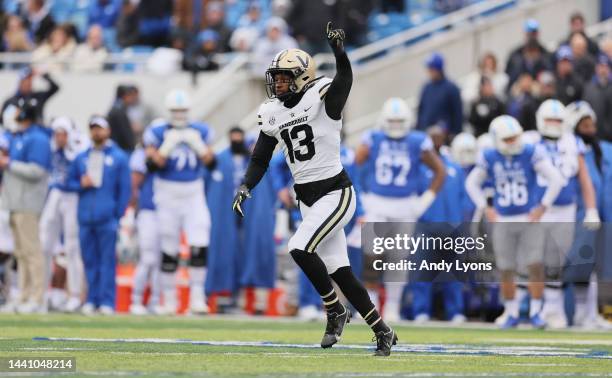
(507, 135)
(463, 149)
(485, 141)
(178, 104)
(550, 119)
(396, 118)
(576, 112)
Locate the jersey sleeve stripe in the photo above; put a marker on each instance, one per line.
(323, 90)
(331, 221)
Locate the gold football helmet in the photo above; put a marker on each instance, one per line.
(298, 64)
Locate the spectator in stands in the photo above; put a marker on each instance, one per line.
(25, 91)
(40, 21)
(104, 12)
(275, 40)
(606, 46)
(243, 39)
(487, 67)
(577, 26)
(569, 85)
(352, 16)
(154, 22)
(598, 93)
(531, 57)
(215, 20)
(584, 63)
(15, 37)
(546, 86)
(486, 107)
(252, 18)
(308, 20)
(127, 24)
(102, 177)
(202, 59)
(440, 101)
(90, 56)
(24, 188)
(168, 60)
(56, 53)
(121, 130)
(522, 104)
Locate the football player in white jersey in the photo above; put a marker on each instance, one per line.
(305, 116)
(567, 153)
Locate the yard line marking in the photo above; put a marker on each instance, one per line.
(552, 341)
(429, 349)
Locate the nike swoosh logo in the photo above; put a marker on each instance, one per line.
(307, 109)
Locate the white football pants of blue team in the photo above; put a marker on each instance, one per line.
(59, 218)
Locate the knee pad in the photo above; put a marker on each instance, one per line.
(199, 256)
(169, 263)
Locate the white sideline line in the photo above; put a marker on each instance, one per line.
(553, 341)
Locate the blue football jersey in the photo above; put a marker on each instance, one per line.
(513, 178)
(564, 154)
(182, 165)
(395, 164)
(138, 164)
(60, 167)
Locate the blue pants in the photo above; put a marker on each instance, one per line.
(98, 243)
(355, 256)
(422, 298)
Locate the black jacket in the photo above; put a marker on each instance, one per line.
(121, 127)
(599, 95)
(41, 98)
(483, 111)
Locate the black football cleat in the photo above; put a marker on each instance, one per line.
(384, 342)
(335, 326)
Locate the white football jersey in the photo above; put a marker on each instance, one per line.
(309, 138)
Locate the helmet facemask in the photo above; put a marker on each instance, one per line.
(552, 128)
(179, 118)
(512, 145)
(271, 83)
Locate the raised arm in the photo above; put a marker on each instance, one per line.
(340, 87)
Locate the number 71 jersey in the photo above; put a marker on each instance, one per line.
(310, 139)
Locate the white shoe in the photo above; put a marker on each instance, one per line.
(88, 309)
(598, 322)
(501, 320)
(198, 308)
(421, 318)
(31, 307)
(309, 313)
(107, 310)
(8, 308)
(138, 309)
(72, 305)
(391, 313)
(165, 309)
(458, 319)
(555, 320)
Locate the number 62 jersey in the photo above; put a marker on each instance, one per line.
(310, 139)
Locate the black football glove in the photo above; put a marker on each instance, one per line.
(335, 38)
(241, 195)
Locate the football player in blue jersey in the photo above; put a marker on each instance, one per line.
(147, 269)
(179, 151)
(567, 154)
(393, 156)
(513, 165)
(463, 151)
(59, 216)
(581, 270)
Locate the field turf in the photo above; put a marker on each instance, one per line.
(240, 347)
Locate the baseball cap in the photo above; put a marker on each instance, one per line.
(61, 124)
(98, 121)
(435, 61)
(532, 26)
(564, 53)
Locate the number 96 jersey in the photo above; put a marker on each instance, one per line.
(310, 139)
(514, 178)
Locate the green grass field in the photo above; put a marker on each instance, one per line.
(240, 347)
